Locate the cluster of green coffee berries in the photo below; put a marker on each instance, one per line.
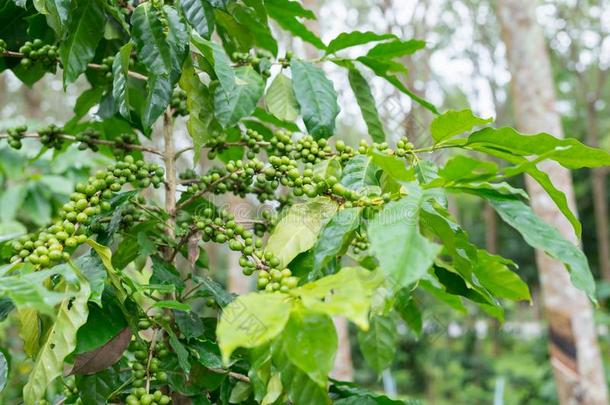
(106, 67)
(221, 227)
(90, 199)
(178, 103)
(15, 135)
(87, 139)
(71, 391)
(235, 176)
(360, 243)
(38, 51)
(50, 136)
(404, 147)
(147, 365)
(259, 59)
(3, 46)
(308, 149)
(187, 174)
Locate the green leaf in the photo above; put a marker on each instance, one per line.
(29, 291)
(29, 330)
(6, 307)
(60, 342)
(200, 15)
(494, 274)
(328, 167)
(172, 304)
(280, 99)
(286, 12)
(359, 173)
(452, 123)
(568, 152)
(300, 388)
(464, 168)
(181, 353)
(96, 388)
(160, 47)
(378, 344)
(310, 342)
(83, 35)
(94, 271)
(120, 77)
(298, 230)
(393, 166)
(364, 97)
(220, 62)
(395, 49)
(242, 99)
(334, 237)
(201, 111)
(403, 253)
(543, 236)
(103, 324)
(347, 293)
(349, 39)
(406, 307)
(3, 371)
(251, 320)
(273, 391)
(317, 98)
(189, 324)
(55, 11)
(383, 69)
(165, 273)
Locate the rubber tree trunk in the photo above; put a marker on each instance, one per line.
(600, 203)
(574, 351)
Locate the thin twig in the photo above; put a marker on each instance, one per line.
(119, 145)
(235, 375)
(94, 66)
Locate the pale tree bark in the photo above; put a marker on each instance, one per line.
(600, 203)
(574, 351)
(343, 368)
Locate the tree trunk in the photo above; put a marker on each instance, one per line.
(574, 351)
(600, 205)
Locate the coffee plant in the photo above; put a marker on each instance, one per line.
(114, 299)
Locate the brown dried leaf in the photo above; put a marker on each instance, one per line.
(104, 356)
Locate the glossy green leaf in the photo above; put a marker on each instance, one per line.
(328, 167)
(378, 344)
(94, 271)
(464, 168)
(298, 230)
(403, 252)
(366, 101)
(201, 111)
(393, 166)
(568, 152)
(407, 308)
(161, 47)
(181, 352)
(60, 342)
(83, 35)
(120, 77)
(334, 237)
(274, 390)
(300, 388)
(395, 49)
(349, 39)
(29, 290)
(494, 274)
(280, 99)
(310, 342)
(219, 61)
(96, 388)
(543, 236)
(103, 324)
(172, 304)
(251, 320)
(200, 15)
(317, 98)
(452, 123)
(286, 12)
(242, 99)
(359, 173)
(347, 293)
